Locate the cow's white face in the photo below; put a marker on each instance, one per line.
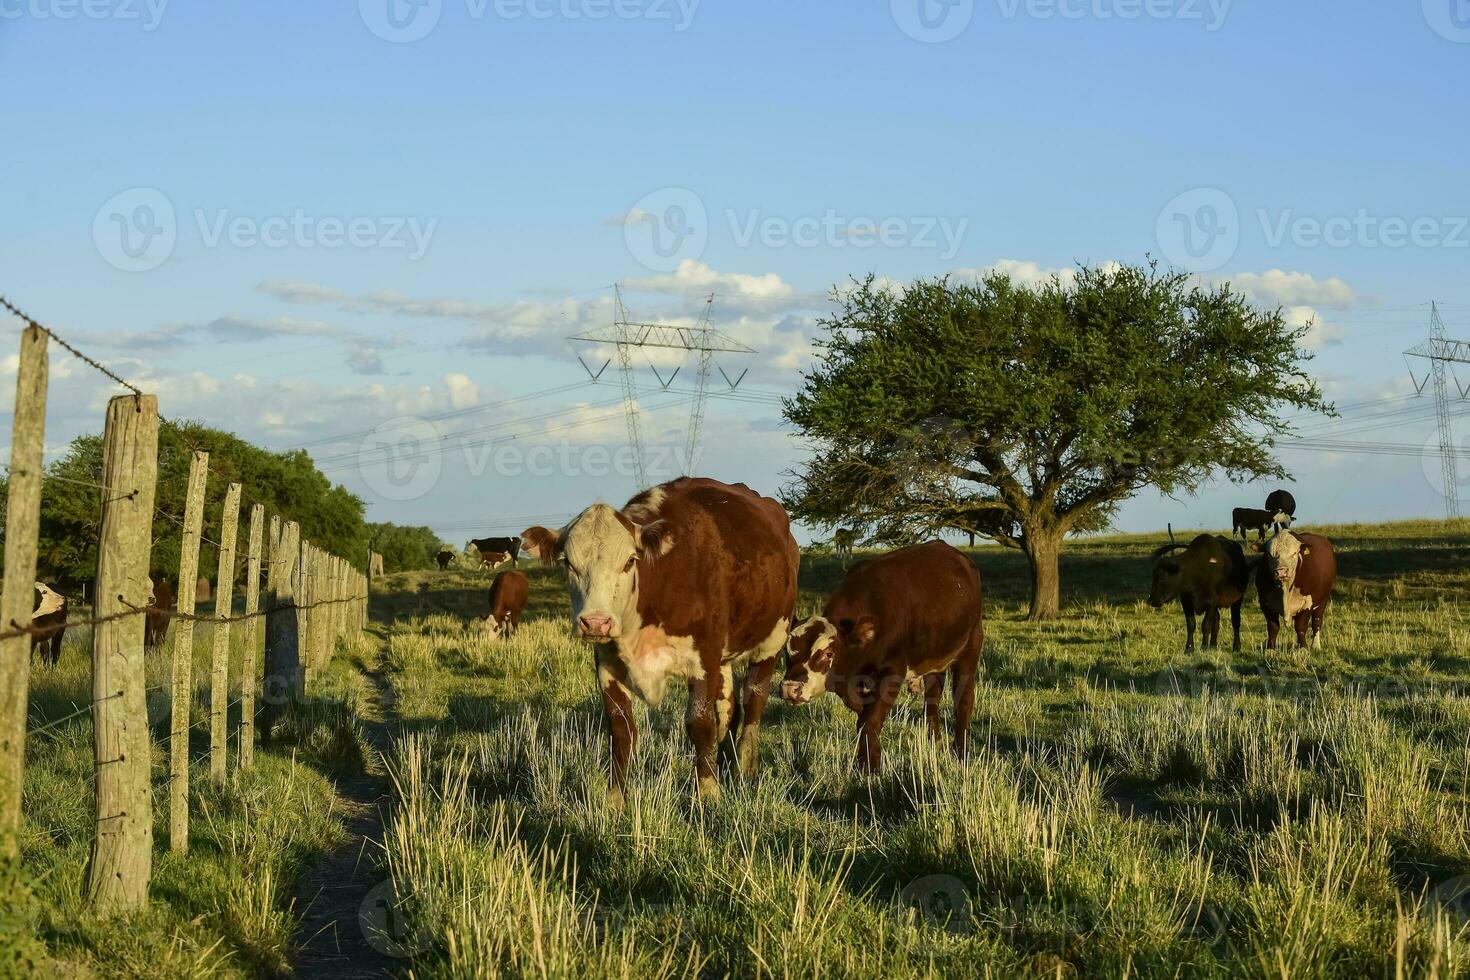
(600, 550)
(1285, 552)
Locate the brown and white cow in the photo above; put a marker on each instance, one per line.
(692, 579)
(1295, 582)
(48, 613)
(913, 613)
(508, 595)
(495, 552)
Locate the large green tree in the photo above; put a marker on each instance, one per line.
(1025, 412)
(404, 549)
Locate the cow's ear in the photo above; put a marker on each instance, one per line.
(656, 538)
(542, 543)
(1306, 550)
(860, 632)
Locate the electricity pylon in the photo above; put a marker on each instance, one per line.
(1441, 352)
(626, 335)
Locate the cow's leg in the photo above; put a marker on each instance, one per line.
(757, 689)
(617, 705)
(1235, 625)
(1273, 629)
(702, 723)
(1300, 622)
(1211, 629)
(55, 644)
(962, 689)
(1319, 614)
(933, 693)
(870, 720)
(1186, 602)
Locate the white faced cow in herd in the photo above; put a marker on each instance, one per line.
(1295, 583)
(692, 579)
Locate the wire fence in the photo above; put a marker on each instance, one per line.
(313, 601)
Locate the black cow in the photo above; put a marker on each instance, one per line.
(1210, 575)
(509, 547)
(1282, 507)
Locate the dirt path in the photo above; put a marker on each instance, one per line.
(344, 930)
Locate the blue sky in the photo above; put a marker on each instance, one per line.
(333, 231)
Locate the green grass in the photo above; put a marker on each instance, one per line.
(224, 910)
(1128, 810)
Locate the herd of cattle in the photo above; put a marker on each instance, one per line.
(696, 579)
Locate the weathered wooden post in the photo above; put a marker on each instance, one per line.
(249, 669)
(22, 528)
(183, 658)
(282, 637)
(219, 676)
(304, 599)
(121, 862)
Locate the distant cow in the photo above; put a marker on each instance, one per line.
(1282, 507)
(842, 541)
(913, 613)
(692, 579)
(1210, 575)
(495, 551)
(1246, 519)
(508, 595)
(48, 613)
(155, 621)
(1295, 581)
(444, 558)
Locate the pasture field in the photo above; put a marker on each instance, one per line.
(1127, 810)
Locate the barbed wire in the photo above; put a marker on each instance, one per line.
(40, 729)
(89, 361)
(44, 632)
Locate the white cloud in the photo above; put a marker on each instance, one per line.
(1321, 334)
(463, 393)
(736, 290)
(1277, 287)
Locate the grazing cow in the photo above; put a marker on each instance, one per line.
(444, 557)
(48, 613)
(842, 541)
(494, 551)
(913, 613)
(692, 579)
(508, 595)
(1282, 507)
(1295, 582)
(1210, 575)
(155, 621)
(1246, 519)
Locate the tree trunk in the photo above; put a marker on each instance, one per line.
(1043, 548)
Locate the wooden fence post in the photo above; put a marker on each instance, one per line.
(249, 669)
(121, 862)
(22, 528)
(183, 658)
(303, 609)
(219, 677)
(282, 637)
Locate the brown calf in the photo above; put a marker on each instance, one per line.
(912, 613)
(155, 621)
(1295, 582)
(692, 579)
(508, 595)
(1211, 575)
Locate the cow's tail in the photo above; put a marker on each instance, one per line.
(1163, 550)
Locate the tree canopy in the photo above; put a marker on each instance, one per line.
(1024, 413)
(287, 483)
(404, 549)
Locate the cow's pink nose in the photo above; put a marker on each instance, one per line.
(595, 624)
(791, 691)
